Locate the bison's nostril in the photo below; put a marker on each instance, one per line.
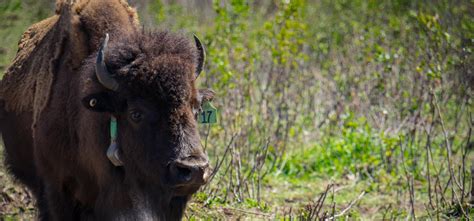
(188, 172)
(184, 174)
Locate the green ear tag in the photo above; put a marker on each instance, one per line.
(113, 129)
(208, 114)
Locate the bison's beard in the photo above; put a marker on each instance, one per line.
(142, 203)
(146, 208)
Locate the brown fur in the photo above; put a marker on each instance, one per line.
(29, 71)
(151, 61)
(41, 46)
(56, 146)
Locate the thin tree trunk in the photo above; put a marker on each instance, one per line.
(472, 184)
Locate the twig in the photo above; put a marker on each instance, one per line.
(409, 182)
(428, 150)
(219, 164)
(250, 212)
(449, 152)
(463, 168)
(349, 206)
(322, 198)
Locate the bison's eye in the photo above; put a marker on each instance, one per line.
(136, 115)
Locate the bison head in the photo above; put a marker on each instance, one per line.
(148, 86)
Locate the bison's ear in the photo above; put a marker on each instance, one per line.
(205, 95)
(100, 102)
(201, 56)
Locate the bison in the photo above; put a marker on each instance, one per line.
(98, 115)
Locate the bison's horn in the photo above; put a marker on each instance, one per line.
(202, 56)
(101, 71)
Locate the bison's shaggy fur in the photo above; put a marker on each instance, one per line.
(154, 64)
(55, 143)
(28, 80)
(74, 32)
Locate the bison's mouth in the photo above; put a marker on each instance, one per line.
(181, 191)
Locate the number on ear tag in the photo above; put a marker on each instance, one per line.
(208, 114)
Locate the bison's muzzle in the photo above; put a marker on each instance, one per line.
(188, 174)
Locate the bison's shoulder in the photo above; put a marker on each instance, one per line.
(20, 81)
(32, 36)
(29, 41)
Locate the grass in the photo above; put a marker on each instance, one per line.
(15, 200)
(382, 196)
(282, 195)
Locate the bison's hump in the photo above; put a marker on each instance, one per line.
(18, 85)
